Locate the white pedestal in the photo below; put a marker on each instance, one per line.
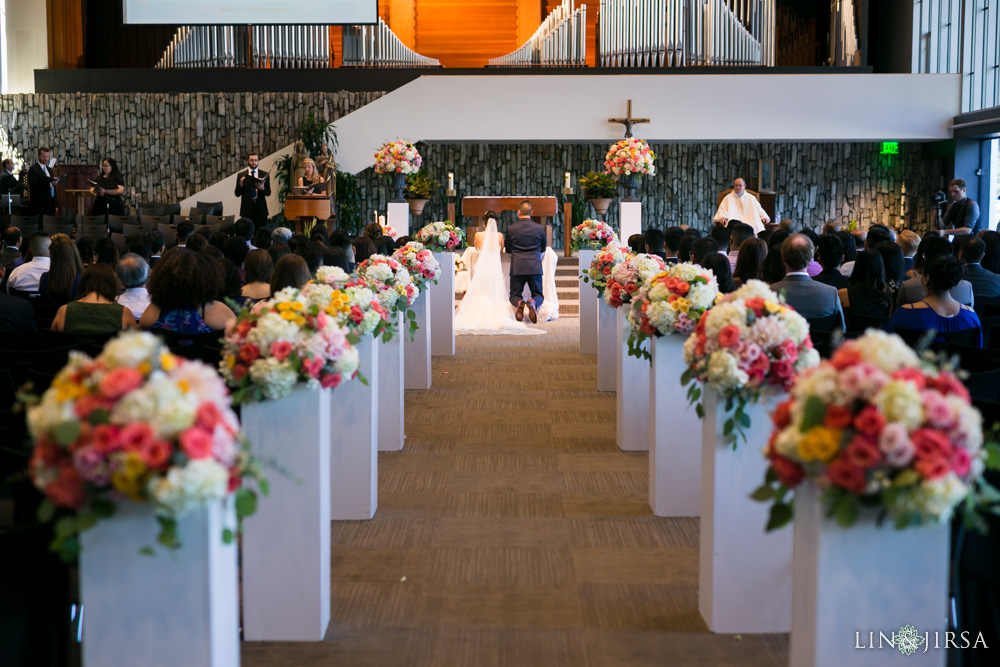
(744, 574)
(354, 441)
(588, 306)
(390, 391)
(633, 393)
(417, 352)
(674, 433)
(397, 216)
(630, 219)
(443, 307)
(171, 609)
(286, 543)
(849, 582)
(607, 347)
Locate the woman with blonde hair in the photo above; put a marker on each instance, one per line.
(310, 177)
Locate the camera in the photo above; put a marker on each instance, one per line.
(940, 200)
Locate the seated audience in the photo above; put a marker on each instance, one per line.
(809, 298)
(363, 249)
(938, 310)
(289, 271)
(867, 292)
(386, 245)
(312, 252)
(232, 285)
(895, 268)
(750, 261)
(719, 265)
(830, 252)
(244, 229)
(672, 242)
(140, 244)
(277, 251)
(257, 269)
(774, 268)
(702, 247)
(912, 290)
(814, 267)
(991, 258)
(281, 235)
(197, 243)
(831, 228)
(335, 257)
(59, 284)
(636, 244)
(654, 242)
(25, 277)
(158, 246)
(185, 230)
(107, 253)
(133, 272)
(16, 315)
(872, 237)
(183, 294)
(400, 242)
(721, 236)
(96, 311)
(739, 233)
(985, 284)
(11, 256)
(262, 238)
(319, 235)
(235, 251)
(908, 242)
(684, 248)
(218, 239)
(297, 241)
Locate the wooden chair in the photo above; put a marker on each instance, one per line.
(857, 322)
(210, 208)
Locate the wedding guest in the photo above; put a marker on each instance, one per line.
(59, 284)
(277, 251)
(262, 238)
(319, 235)
(684, 248)
(939, 310)
(364, 248)
(830, 252)
(895, 267)
(16, 315)
(654, 242)
(183, 294)
(908, 242)
(400, 242)
(814, 267)
(719, 265)
(25, 277)
(185, 230)
(196, 242)
(991, 257)
(96, 311)
(232, 285)
(290, 271)
(701, 248)
(774, 268)
(373, 230)
(912, 290)
(739, 233)
(848, 245)
(218, 239)
(85, 246)
(257, 268)
(11, 256)
(812, 300)
(312, 252)
(335, 257)
(106, 252)
(133, 272)
(109, 190)
(637, 244)
(750, 261)
(867, 292)
(281, 235)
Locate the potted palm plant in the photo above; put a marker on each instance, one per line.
(599, 189)
(420, 188)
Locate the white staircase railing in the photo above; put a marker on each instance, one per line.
(560, 41)
(378, 46)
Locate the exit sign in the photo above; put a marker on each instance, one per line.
(890, 148)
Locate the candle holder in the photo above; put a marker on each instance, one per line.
(567, 191)
(451, 193)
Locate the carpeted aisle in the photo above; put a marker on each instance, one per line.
(522, 532)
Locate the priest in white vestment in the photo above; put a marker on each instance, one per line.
(743, 206)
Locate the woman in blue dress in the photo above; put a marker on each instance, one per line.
(183, 290)
(939, 310)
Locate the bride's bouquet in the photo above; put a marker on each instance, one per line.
(397, 157)
(604, 261)
(630, 156)
(136, 423)
(629, 276)
(289, 339)
(441, 237)
(420, 263)
(672, 301)
(592, 235)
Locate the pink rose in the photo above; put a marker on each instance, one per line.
(156, 454)
(249, 353)
(67, 489)
(106, 439)
(280, 349)
(330, 380)
(783, 369)
(196, 443)
(937, 410)
(931, 444)
(312, 367)
(135, 437)
(895, 443)
(869, 421)
(961, 461)
(119, 382)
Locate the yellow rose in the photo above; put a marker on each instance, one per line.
(288, 315)
(168, 361)
(297, 306)
(682, 305)
(820, 443)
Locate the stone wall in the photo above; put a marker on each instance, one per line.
(820, 181)
(168, 147)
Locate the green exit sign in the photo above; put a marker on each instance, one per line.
(890, 148)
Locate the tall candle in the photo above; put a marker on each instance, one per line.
(567, 181)
(381, 220)
(451, 181)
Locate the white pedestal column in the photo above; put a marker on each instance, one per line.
(849, 582)
(397, 216)
(630, 217)
(172, 609)
(674, 433)
(633, 393)
(391, 409)
(607, 347)
(745, 574)
(443, 307)
(417, 352)
(354, 441)
(286, 543)
(588, 306)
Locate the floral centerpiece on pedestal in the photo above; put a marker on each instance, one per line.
(290, 339)
(748, 342)
(394, 287)
(353, 303)
(441, 237)
(629, 276)
(630, 156)
(592, 235)
(604, 262)
(420, 263)
(141, 424)
(400, 157)
(672, 301)
(877, 426)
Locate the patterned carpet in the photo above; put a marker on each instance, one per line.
(522, 532)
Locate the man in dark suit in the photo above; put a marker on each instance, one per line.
(41, 186)
(985, 284)
(812, 300)
(253, 193)
(831, 254)
(8, 181)
(525, 240)
(10, 256)
(15, 314)
(655, 242)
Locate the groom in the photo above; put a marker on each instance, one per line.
(525, 240)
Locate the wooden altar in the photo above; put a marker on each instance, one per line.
(298, 207)
(542, 208)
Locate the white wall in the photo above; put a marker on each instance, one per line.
(574, 109)
(25, 46)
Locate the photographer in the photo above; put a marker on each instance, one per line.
(962, 215)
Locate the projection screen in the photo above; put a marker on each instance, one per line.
(233, 12)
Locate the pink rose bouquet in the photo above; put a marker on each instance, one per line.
(419, 262)
(604, 262)
(672, 301)
(877, 426)
(441, 237)
(629, 276)
(629, 156)
(397, 156)
(136, 423)
(592, 235)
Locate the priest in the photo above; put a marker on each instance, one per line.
(743, 206)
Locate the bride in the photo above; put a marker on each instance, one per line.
(485, 309)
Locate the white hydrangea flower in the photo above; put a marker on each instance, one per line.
(184, 489)
(275, 378)
(131, 349)
(901, 402)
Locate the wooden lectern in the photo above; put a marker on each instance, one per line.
(307, 206)
(542, 208)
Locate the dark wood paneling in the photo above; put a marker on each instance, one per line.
(108, 42)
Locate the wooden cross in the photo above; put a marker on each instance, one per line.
(628, 121)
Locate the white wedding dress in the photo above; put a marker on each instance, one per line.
(485, 309)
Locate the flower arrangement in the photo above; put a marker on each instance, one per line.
(290, 339)
(397, 157)
(441, 237)
(419, 262)
(749, 341)
(592, 235)
(672, 301)
(604, 262)
(141, 424)
(627, 277)
(389, 231)
(876, 426)
(394, 288)
(630, 156)
(353, 304)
